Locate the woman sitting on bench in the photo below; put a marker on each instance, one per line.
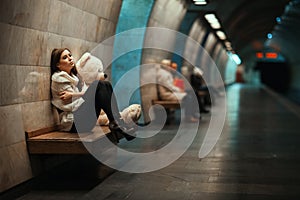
(81, 105)
(168, 91)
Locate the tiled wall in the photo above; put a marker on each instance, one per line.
(192, 52)
(30, 29)
(211, 57)
(166, 14)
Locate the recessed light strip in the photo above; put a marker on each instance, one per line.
(200, 2)
(215, 24)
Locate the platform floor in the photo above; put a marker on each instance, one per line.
(256, 157)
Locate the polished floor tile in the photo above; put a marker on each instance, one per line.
(256, 157)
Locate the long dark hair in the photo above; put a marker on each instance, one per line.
(55, 58)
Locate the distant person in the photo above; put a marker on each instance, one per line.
(168, 91)
(198, 85)
(165, 79)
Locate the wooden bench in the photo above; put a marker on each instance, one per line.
(175, 104)
(167, 104)
(170, 107)
(51, 141)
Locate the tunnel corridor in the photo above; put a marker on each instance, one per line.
(247, 52)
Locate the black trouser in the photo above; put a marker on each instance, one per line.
(98, 96)
(190, 104)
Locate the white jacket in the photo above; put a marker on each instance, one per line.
(62, 81)
(167, 89)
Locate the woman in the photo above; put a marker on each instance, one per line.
(197, 82)
(168, 91)
(81, 104)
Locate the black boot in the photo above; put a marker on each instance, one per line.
(122, 129)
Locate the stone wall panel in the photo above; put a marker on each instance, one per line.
(30, 30)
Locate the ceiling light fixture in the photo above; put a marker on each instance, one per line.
(221, 35)
(200, 2)
(270, 36)
(215, 24)
(213, 21)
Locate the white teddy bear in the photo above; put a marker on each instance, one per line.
(90, 69)
(131, 114)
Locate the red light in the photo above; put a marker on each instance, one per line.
(259, 55)
(271, 55)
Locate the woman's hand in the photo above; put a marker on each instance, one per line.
(65, 95)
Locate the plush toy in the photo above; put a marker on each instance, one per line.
(90, 68)
(131, 114)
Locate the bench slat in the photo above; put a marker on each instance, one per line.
(50, 147)
(58, 142)
(167, 104)
(33, 133)
(97, 132)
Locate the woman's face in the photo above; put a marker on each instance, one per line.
(66, 62)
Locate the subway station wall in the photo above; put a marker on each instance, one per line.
(128, 49)
(164, 14)
(192, 52)
(30, 29)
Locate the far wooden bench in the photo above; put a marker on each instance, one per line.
(170, 106)
(51, 141)
(167, 104)
(173, 103)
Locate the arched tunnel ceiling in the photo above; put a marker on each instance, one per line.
(245, 22)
